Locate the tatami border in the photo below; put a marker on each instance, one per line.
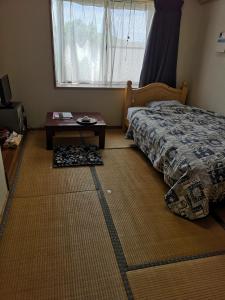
(117, 247)
(118, 250)
(174, 260)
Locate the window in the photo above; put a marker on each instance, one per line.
(99, 42)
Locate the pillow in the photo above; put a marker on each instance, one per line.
(159, 102)
(132, 110)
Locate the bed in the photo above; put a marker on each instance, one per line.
(186, 144)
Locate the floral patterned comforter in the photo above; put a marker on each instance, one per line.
(187, 145)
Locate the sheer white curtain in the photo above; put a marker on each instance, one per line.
(100, 42)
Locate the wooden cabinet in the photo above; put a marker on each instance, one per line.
(3, 188)
(13, 117)
(10, 161)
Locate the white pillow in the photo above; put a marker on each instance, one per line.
(132, 110)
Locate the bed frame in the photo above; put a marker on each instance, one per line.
(154, 92)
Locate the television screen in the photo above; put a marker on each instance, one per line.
(5, 90)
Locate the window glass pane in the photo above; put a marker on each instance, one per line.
(130, 27)
(99, 42)
(83, 40)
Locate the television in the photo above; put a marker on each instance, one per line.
(5, 91)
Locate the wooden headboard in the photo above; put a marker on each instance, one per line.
(154, 92)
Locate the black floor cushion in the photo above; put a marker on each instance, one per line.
(73, 155)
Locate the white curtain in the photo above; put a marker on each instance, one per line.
(100, 42)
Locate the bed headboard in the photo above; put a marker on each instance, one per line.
(153, 91)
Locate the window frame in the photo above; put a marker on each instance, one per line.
(78, 85)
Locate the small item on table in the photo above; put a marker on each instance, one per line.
(65, 115)
(86, 119)
(62, 115)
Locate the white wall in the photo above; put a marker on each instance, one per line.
(208, 81)
(3, 187)
(192, 25)
(26, 55)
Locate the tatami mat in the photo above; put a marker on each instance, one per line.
(148, 231)
(35, 144)
(38, 177)
(58, 247)
(114, 138)
(128, 168)
(201, 279)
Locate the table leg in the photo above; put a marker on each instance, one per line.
(49, 138)
(102, 138)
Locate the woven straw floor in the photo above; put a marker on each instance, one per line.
(148, 231)
(58, 243)
(57, 247)
(114, 138)
(201, 279)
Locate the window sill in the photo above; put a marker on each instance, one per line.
(91, 86)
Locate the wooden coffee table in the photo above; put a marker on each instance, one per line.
(53, 125)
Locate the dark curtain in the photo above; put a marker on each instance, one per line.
(160, 59)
